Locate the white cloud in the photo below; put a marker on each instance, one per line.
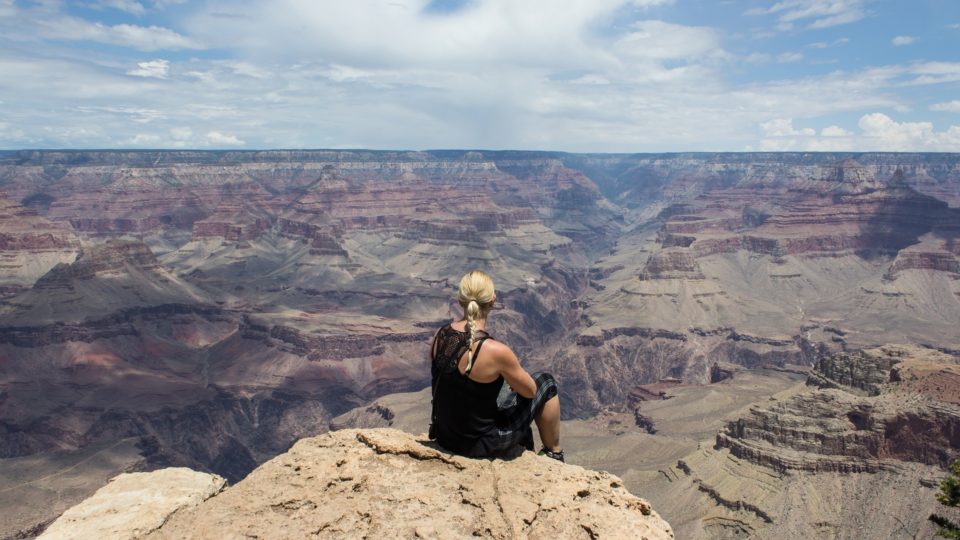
(158, 69)
(926, 73)
(144, 139)
(129, 6)
(75, 133)
(658, 40)
(13, 133)
(181, 137)
(493, 74)
(213, 111)
(48, 22)
(828, 44)
(878, 132)
(758, 58)
(246, 69)
(163, 4)
(7, 9)
(181, 133)
(217, 138)
(299, 105)
(591, 78)
(783, 127)
(340, 73)
(139, 115)
(889, 134)
(834, 131)
(900, 41)
(56, 80)
(485, 34)
(789, 57)
(824, 13)
(949, 106)
(144, 38)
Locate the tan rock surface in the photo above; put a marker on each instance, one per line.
(383, 483)
(133, 504)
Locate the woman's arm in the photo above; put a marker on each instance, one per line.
(517, 377)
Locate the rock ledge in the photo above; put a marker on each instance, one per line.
(384, 483)
(132, 505)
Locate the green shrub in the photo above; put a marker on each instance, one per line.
(949, 495)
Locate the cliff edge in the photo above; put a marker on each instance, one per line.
(384, 483)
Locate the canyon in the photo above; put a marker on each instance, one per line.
(209, 309)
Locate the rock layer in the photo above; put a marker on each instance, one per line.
(839, 429)
(30, 245)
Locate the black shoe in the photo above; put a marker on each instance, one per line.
(551, 454)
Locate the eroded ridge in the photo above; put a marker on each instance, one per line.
(910, 414)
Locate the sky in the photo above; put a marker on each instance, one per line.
(563, 75)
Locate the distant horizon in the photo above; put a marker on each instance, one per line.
(479, 150)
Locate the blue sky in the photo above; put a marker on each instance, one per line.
(570, 75)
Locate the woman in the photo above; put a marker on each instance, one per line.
(471, 371)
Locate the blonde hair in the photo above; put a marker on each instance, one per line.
(476, 297)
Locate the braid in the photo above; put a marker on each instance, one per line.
(472, 312)
(476, 296)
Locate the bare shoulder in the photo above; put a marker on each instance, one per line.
(500, 351)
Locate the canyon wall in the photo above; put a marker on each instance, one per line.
(873, 410)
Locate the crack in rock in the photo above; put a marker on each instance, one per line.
(422, 453)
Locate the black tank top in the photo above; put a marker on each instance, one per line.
(466, 410)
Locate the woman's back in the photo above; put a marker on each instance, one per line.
(483, 368)
(466, 409)
(468, 378)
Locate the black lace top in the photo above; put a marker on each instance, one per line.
(465, 410)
